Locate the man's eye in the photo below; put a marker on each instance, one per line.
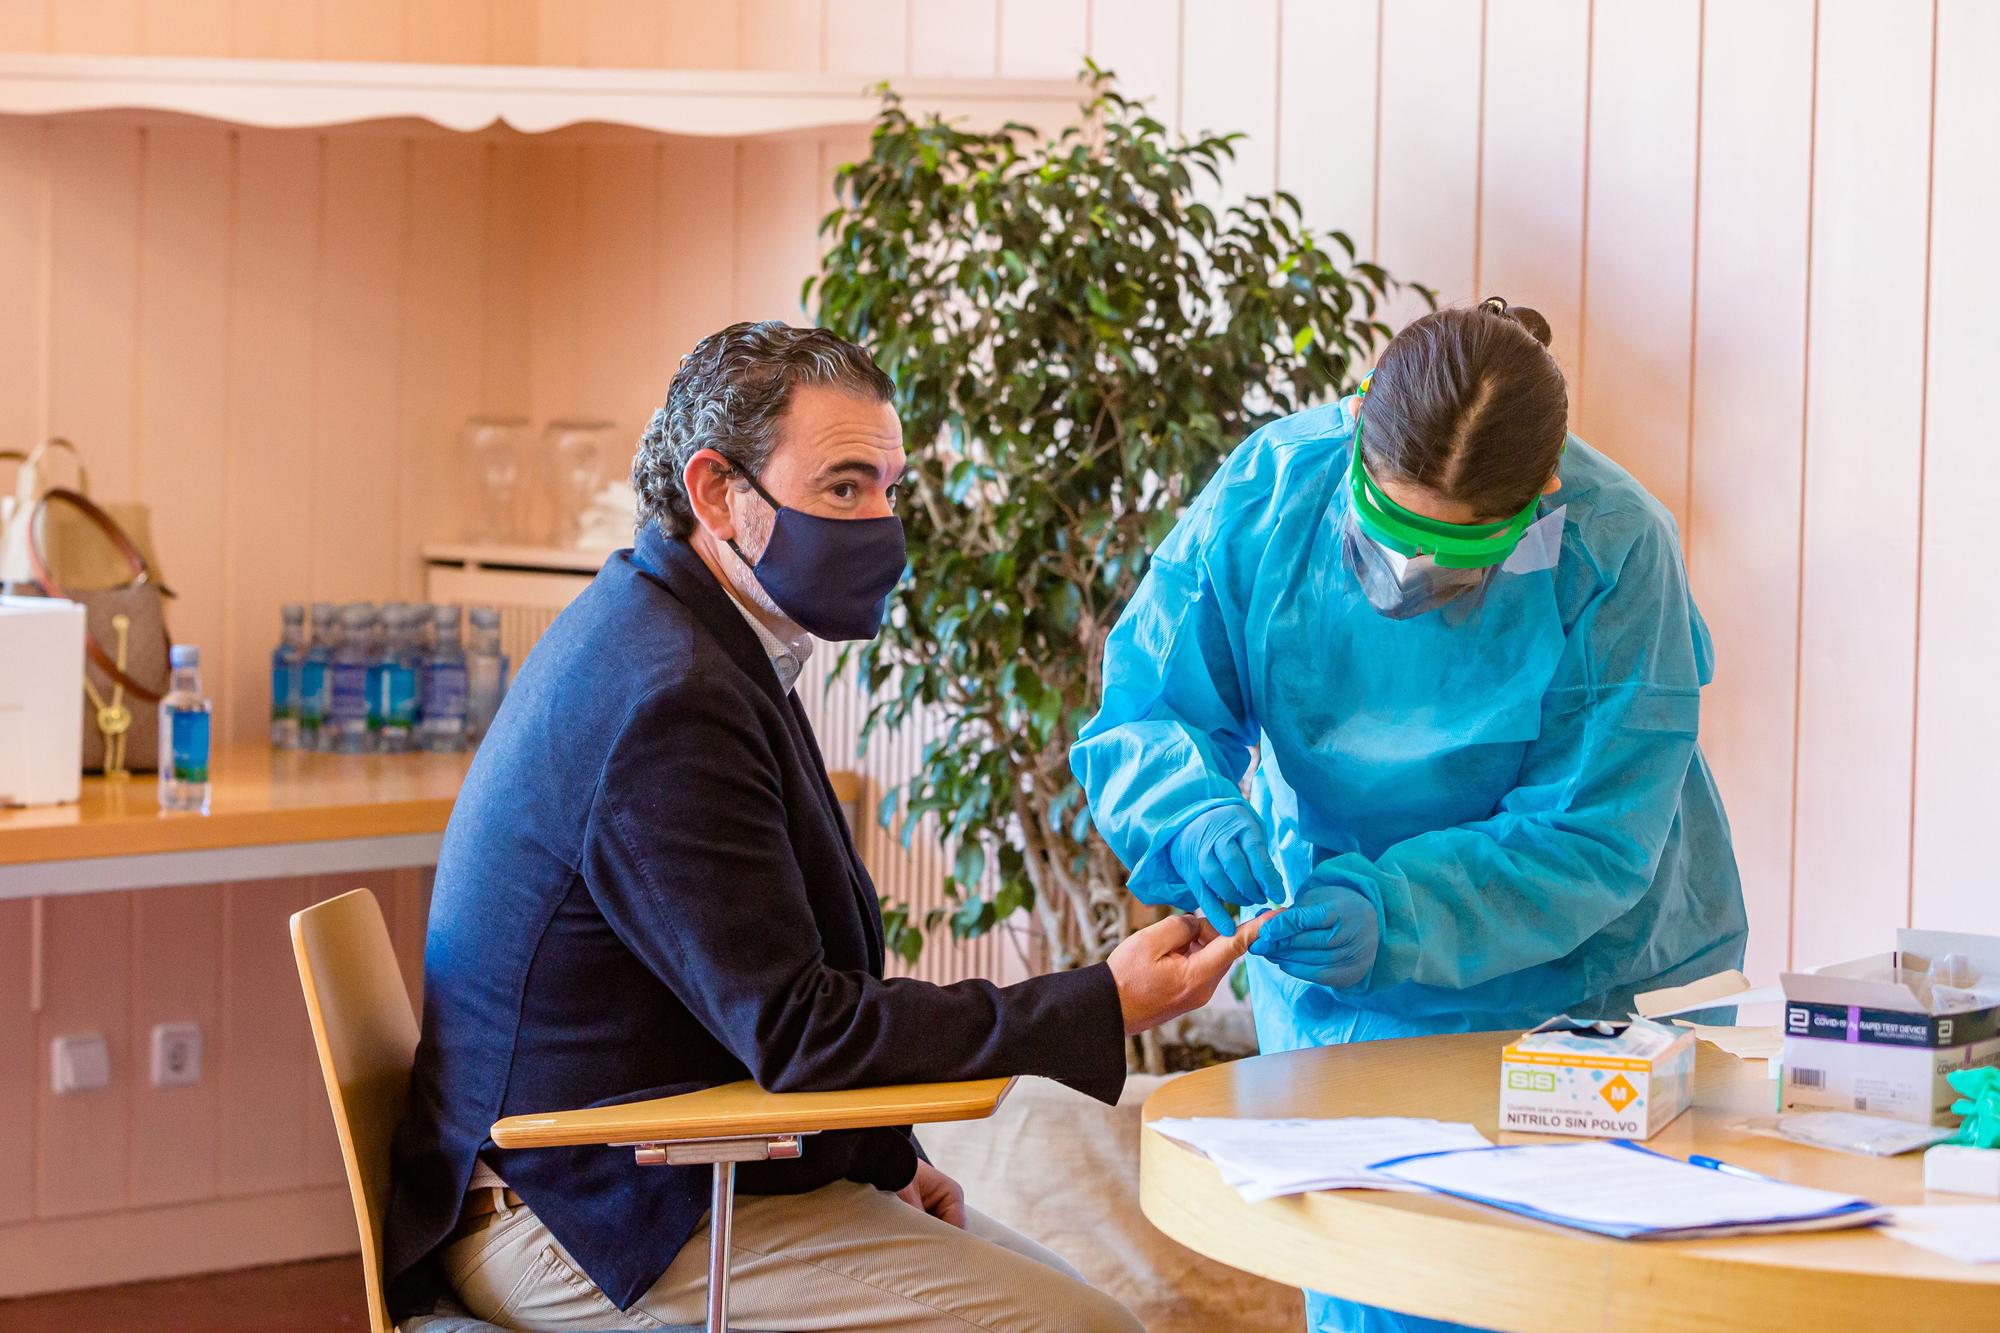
(844, 490)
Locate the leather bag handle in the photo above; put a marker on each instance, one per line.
(135, 561)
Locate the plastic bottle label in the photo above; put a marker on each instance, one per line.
(283, 703)
(312, 691)
(350, 692)
(444, 690)
(187, 742)
(399, 697)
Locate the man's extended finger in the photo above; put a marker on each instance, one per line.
(1172, 935)
(1248, 932)
(1209, 966)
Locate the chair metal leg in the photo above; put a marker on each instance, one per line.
(721, 1218)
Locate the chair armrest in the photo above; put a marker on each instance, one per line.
(743, 1110)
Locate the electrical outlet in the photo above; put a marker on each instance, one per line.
(176, 1054)
(80, 1062)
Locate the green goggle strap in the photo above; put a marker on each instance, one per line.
(1451, 545)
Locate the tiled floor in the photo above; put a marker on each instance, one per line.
(324, 1294)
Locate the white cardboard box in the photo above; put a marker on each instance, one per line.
(41, 700)
(1625, 1086)
(1859, 1038)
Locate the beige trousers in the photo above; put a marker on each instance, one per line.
(847, 1256)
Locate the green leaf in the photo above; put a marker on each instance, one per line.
(1239, 979)
(970, 867)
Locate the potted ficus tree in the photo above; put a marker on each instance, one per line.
(1077, 340)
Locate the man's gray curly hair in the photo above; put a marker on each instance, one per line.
(729, 395)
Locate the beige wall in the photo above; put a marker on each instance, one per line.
(1761, 232)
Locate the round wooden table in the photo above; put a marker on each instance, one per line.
(1447, 1259)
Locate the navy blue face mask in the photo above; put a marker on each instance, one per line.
(832, 576)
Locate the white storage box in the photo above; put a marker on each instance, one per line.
(41, 700)
(1859, 1036)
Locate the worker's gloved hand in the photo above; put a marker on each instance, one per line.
(1224, 859)
(1328, 936)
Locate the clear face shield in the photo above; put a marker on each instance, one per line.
(1408, 563)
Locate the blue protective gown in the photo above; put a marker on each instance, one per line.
(1513, 781)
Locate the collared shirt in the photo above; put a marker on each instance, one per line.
(787, 658)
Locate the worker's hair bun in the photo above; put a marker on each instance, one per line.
(1528, 318)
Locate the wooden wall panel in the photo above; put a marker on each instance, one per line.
(699, 34)
(780, 34)
(868, 37)
(363, 30)
(443, 282)
(1229, 84)
(263, 1073)
(446, 31)
(508, 346)
(268, 510)
(622, 351)
(1427, 189)
(1531, 168)
(555, 222)
(621, 32)
(185, 230)
(94, 297)
(950, 37)
(1042, 39)
(82, 1144)
(1958, 720)
(352, 419)
(196, 27)
(778, 212)
(274, 31)
(20, 1065)
(1864, 455)
(24, 265)
(1631, 395)
(1747, 440)
(1326, 114)
(177, 963)
(26, 25)
(96, 27)
(697, 227)
(1140, 42)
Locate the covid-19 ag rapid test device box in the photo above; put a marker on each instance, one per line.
(1879, 1034)
(1603, 1080)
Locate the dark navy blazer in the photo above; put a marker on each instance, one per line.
(647, 888)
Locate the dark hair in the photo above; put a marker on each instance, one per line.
(1470, 405)
(729, 395)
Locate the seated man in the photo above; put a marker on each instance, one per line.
(647, 888)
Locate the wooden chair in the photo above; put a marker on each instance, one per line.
(366, 1033)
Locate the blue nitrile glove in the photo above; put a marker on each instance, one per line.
(1222, 856)
(1328, 936)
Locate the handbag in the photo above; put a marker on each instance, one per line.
(70, 541)
(126, 669)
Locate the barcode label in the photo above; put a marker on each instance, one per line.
(1808, 1078)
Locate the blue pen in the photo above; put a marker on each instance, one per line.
(1717, 1164)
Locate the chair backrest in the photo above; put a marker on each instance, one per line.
(366, 1033)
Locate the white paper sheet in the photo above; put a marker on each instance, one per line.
(1615, 1188)
(1263, 1159)
(1967, 1232)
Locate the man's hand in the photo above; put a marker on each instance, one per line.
(1173, 966)
(934, 1192)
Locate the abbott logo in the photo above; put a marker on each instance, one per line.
(1798, 1020)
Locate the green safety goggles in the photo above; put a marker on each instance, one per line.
(1449, 545)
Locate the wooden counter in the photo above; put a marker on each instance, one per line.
(271, 813)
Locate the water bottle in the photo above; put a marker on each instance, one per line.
(285, 660)
(443, 728)
(485, 672)
(392, 684)
(347, 709)
(315, 696)
(184, 734)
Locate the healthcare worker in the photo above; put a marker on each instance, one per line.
(1461, 645)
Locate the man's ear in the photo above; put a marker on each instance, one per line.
(706, 479)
